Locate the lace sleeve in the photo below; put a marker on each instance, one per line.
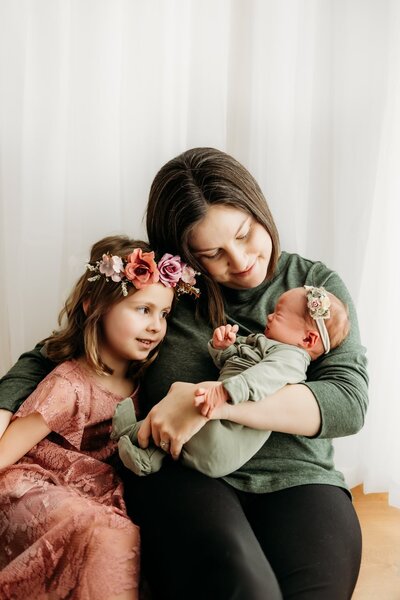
(61, 403)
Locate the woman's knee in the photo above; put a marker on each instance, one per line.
(312, 538)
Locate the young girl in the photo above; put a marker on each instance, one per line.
(64, 528)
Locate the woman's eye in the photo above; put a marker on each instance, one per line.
(243, 236)
(211, 256)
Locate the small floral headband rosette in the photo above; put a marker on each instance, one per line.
(140, 269)
(318, 305)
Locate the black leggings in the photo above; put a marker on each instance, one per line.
(202, 539)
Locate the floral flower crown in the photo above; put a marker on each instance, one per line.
(319, 304)
(140, 269)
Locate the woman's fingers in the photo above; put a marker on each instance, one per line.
(176, 448)
(144, 432)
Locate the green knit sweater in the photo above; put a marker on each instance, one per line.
(338, 380)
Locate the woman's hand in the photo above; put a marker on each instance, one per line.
(173, 421)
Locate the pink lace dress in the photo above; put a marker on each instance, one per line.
(64, 531)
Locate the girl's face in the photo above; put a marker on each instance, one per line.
(286, 324)
(232, 247)
(136, 325)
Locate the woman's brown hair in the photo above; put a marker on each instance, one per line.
(80, 320)
(180, 195)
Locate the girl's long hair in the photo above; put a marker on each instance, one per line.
(80, 320)
(179, 198)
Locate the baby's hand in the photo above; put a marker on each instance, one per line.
(224, 336)
(209, 399)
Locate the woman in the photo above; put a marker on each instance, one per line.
(283, 525)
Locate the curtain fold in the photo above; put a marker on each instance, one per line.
(96, 95)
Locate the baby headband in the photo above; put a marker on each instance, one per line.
(140, 269)
(318, 305)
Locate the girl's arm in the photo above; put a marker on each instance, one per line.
(5, 418)
(21, 436)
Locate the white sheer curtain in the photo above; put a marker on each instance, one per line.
(95, 95)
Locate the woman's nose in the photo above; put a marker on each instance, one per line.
(238, 260)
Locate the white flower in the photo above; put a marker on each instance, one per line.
(111, 266)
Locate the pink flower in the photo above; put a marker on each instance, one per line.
(188, 275)
(170, 268)
(314, 303)
(141, 269)
(111, 266)
(319, 306)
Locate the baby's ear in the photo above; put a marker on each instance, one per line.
(310, 339)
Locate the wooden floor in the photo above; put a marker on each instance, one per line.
(380, 567)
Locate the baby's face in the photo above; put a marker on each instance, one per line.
(286, 324)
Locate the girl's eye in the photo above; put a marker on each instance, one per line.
(143, 310)
(164, 314)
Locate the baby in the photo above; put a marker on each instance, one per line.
(306, 323)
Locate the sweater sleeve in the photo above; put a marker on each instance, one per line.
(339, 380)
(23, 377)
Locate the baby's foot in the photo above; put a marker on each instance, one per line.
(142, 461)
